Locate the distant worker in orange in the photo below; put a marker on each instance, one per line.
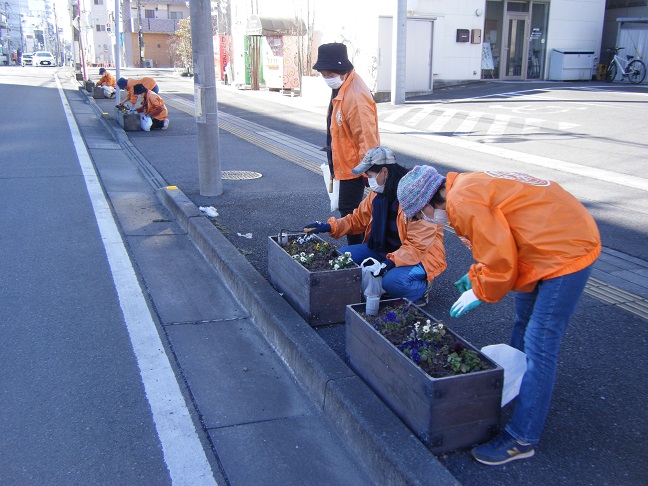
(153, 106)
(129, 85)
(107, 82)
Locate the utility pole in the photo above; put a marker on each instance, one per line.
(140, 37)
(202, 46)
(399, 41)
(117, 39)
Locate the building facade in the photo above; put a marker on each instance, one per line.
(447, 41)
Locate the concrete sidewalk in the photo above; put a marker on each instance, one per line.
(619, 280)
(276, 405)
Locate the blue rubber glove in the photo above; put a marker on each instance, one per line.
(463, 284)
(466, 302)
(317, 227)
(385, 267)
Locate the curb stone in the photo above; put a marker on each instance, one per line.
(390, 452)
(381, 440)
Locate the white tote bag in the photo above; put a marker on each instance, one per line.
(146, 123)
(514, 363)
(332, 186)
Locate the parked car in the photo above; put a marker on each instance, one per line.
(43, 58)
(26, 59)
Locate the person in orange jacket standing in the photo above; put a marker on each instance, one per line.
(129, 85)
(526, 234)
(351, 125)
(153, 106)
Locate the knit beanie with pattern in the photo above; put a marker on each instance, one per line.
(417, 187)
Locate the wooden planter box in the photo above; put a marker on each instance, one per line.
(444, 413)
(319, 297)
(130, 122)
(98, 92)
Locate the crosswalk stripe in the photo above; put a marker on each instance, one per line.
(498, 127)
(440, 122)
(397, 114)
(425, 111)
(469, 123)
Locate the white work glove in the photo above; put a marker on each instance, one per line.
(466, 302)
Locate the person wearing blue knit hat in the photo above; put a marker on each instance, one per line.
(528, 235)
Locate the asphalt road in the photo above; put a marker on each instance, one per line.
(595, 431)
(74, 410)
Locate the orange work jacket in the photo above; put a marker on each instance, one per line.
(422, 242)
(354, 126)
(107, 80)
(520, 229)
(153, 105)
(149, 83)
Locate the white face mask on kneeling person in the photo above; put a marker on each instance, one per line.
(374, 186)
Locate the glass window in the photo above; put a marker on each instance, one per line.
(537, 40)
(175, 15)
(517, 6)
(98, 2)
(149, 14)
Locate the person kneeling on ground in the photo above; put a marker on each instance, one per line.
(529, 235)
(107, 82)
(129, 86)
(153, 106)
(412, 250)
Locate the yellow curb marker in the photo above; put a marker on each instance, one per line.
(171, 188)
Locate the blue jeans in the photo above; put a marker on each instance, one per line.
(409, 282)
(540, 322)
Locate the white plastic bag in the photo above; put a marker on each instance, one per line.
(371, 283)
(146, 123)
(514, 363)
(108, 91)
(332, 186)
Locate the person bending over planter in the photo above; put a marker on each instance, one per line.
(129, 85)
(412, 250)
(528, 235)
(153, 106)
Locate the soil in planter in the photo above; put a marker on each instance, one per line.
(436, 356)
(323, 252)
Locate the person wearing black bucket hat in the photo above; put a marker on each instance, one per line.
(153, 106)
(351, 125)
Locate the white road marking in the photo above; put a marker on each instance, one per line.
(442, 119)
(538, 160)
(425, 111)
(397, 114)
(498, 127)
(183, 452)
(468, 124)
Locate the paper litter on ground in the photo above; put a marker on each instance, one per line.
(209, 211)
(246, 235)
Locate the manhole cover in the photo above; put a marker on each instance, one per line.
(239, 175)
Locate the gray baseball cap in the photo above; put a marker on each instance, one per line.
(375, 156)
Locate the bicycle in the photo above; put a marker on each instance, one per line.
(533, 65)
(631, 68)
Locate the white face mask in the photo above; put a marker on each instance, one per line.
(440, 217)
(374, 186)
(334, 83)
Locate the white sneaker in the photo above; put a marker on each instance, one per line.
(166, 124)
